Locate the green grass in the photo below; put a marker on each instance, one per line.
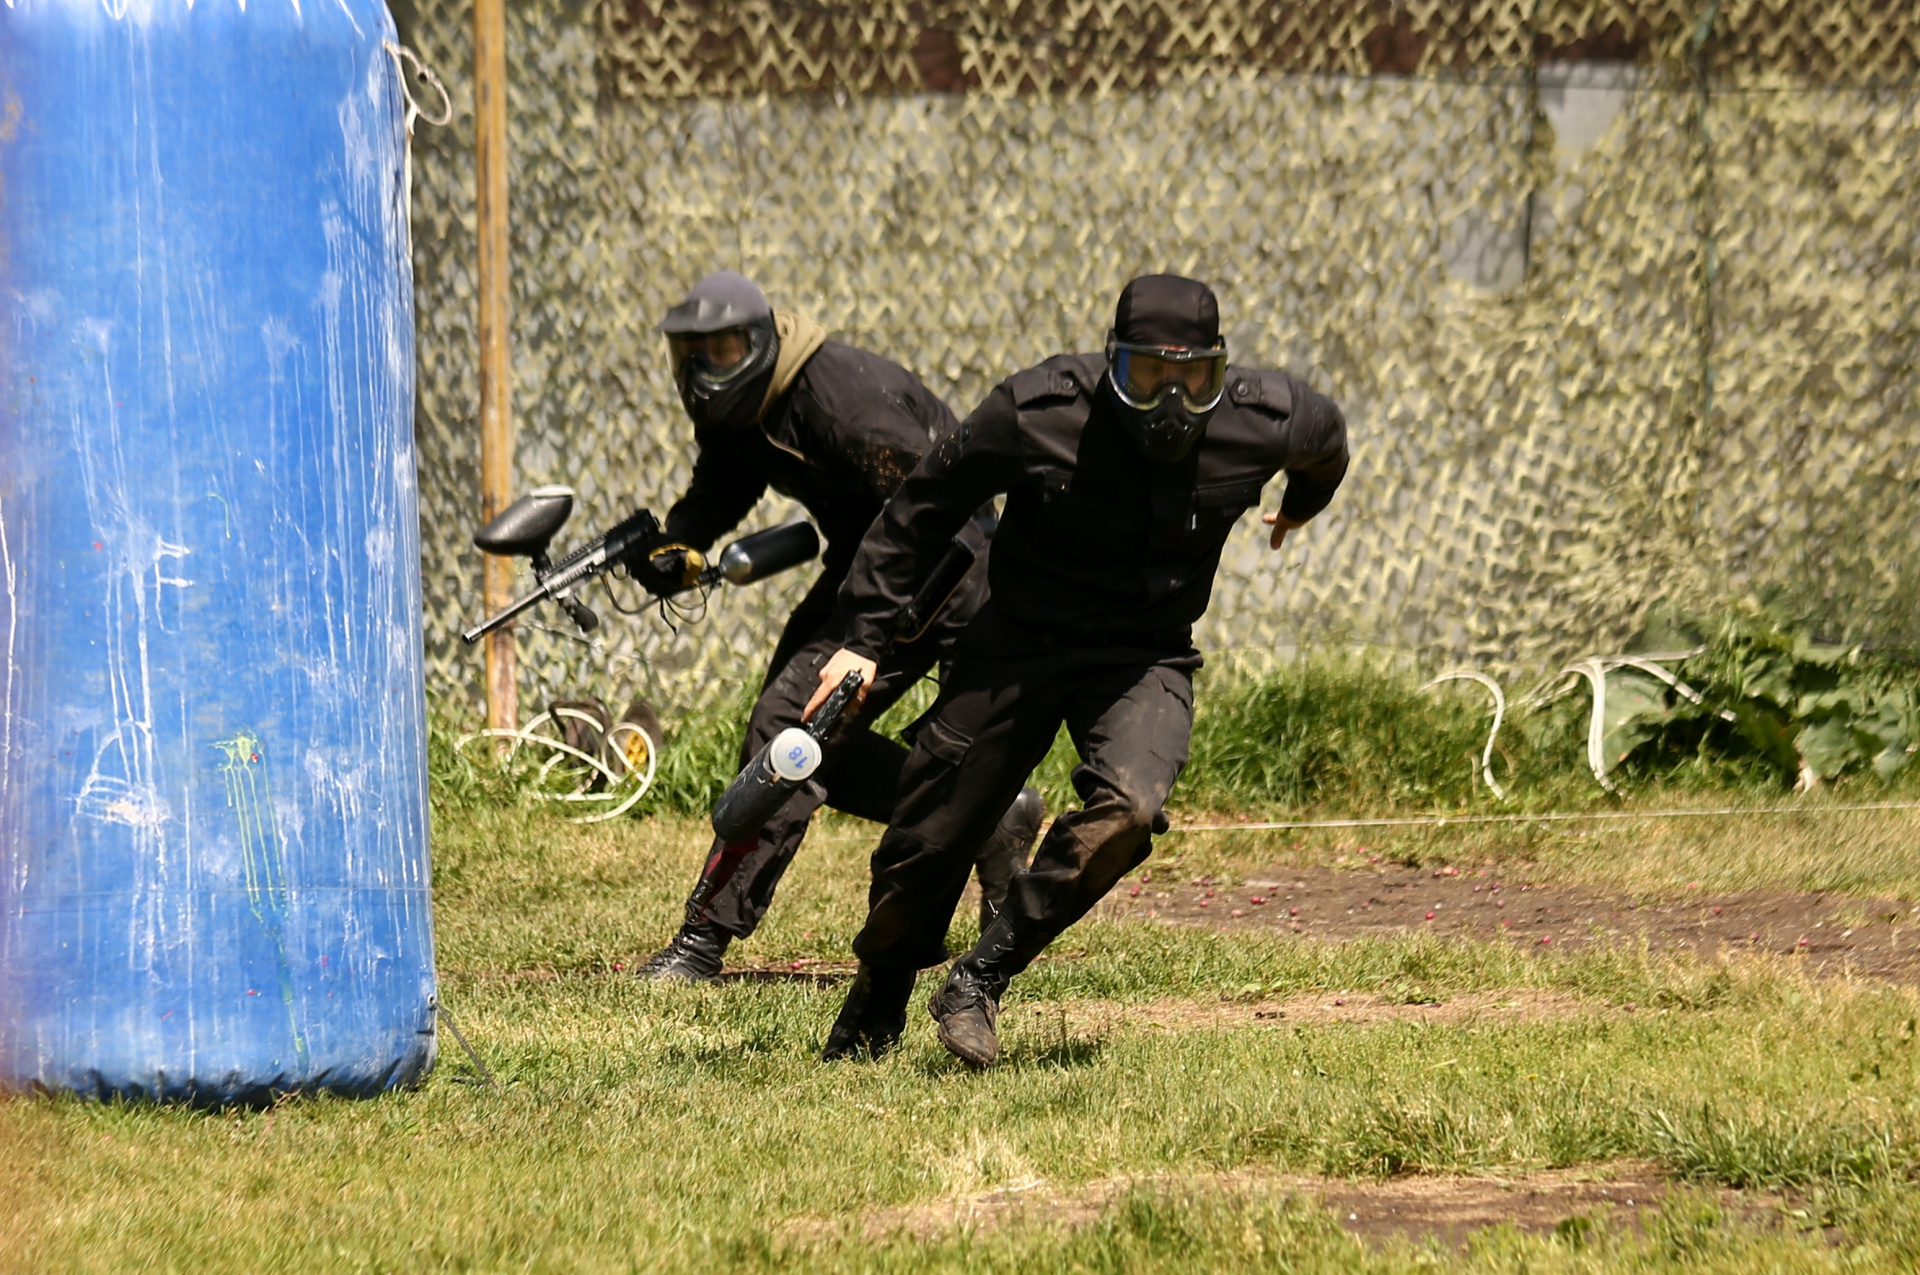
(1820, 849)
(636, 1127)
(1330, 733)
(676, 1130)
(641, 1128)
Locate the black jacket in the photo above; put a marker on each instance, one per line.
(840, 438)
(1097, 545)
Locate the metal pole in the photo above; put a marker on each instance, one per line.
(496, 388)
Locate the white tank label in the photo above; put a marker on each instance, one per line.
(795, 754)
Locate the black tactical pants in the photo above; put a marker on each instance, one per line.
(1129, 713)
(860, 773)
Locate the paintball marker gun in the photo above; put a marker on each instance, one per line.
(790, 758)
(527, 526)
(776, 771)
(962, 551)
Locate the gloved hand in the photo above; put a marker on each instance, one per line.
(668, 568)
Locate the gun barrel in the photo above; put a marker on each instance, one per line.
(828, 717)
(933, 593)
(751, 558)
(498, 618)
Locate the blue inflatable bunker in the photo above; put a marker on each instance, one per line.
(213, 827)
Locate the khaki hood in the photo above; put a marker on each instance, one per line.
(800, 337)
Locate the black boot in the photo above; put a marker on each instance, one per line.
(693, 956)
(967, 1010)
(874, 1015)
(1006, 852)
(967, 1006)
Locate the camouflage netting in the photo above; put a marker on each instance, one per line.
(1621, 298)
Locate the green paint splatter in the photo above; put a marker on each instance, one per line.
(251, 800)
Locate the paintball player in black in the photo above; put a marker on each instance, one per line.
(1123, 474)
(775, 404)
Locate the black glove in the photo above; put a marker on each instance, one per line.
(667, 569)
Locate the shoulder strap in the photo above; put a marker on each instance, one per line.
(1037, 384)
(1062, 376)
(1261, 388)
(1053, 401)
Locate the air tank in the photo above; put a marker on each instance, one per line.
(213, 823)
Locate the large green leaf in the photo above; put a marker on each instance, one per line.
(1636, 709)
(1888, 725)
(1829, 745)
(1847, 700)
(1769, 730)
(1768, 676)
(1888, 762)
(1808, 651)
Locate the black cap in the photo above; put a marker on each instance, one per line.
(1165, 309)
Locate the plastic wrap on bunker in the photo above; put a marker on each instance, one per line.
(213, 838)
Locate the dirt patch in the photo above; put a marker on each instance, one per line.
(805, 970)
(1832, 932)
(1448, 1209)
(1520, 1004)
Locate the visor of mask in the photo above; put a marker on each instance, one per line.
(1144, 374)
(715, 356)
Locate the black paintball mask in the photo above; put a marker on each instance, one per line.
(723, 347)
(1166, 364)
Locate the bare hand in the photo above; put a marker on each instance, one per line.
(835, 672)
(1281, 525)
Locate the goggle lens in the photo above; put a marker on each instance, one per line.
(720, 354)
(1142, 375)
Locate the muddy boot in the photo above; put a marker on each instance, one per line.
(874, 1015)
(1006, 852)
(967, 1006)
(693, 956)
(968, 1013)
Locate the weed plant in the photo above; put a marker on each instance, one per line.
(701, 755)
(1351, 730)
(1348, 733)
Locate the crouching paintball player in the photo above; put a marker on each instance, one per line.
(1123, 474)
(775, 404)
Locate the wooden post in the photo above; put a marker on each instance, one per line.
(496, 316)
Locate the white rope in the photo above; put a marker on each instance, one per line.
(1594, 669)
(1441, 821)
(1544, 692)
(1499, 711)
(403, 57)
(558, 750)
